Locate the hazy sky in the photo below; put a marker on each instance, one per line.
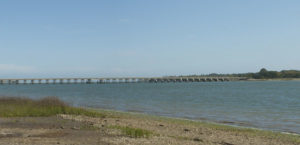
(61, 38)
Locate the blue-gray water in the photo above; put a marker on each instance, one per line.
(273, 105)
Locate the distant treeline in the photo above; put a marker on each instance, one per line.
(262, 74)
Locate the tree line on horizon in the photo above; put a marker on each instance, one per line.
(262, 74)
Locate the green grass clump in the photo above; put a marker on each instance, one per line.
(49, 106)
(89, 127)
(133, 132)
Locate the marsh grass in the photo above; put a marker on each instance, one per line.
(49, 106)
(133, 132)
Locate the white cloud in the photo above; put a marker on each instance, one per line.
(12, 68)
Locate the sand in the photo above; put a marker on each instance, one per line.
(78, 130)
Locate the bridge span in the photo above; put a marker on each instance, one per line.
(118, 80)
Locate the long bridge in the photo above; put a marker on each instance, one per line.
(118, 80)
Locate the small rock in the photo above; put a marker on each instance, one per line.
(198, 139)
(75, 128)
(61, 127)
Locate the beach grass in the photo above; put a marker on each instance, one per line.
(49, 106)
(133, 132)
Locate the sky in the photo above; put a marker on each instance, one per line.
(124, 38)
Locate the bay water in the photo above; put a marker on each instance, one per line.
(271, 105)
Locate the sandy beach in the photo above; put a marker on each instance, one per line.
(120, 128)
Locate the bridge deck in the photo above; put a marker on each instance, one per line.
(117, 80)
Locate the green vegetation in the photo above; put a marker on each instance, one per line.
(262, 74)
(265, 74)
(23, 107)
(133, 132)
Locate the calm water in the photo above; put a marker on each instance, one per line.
(273, 105)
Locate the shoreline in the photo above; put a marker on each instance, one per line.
(231, 124)
(276, 79)
(50, 121)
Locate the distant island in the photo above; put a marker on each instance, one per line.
(262, 74)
